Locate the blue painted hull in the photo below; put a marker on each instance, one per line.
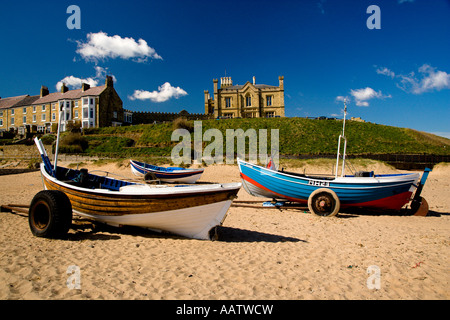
(380, 191)
(170, 174)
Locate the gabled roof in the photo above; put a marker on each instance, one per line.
(26, 100)
(69, 95)
(6, 103)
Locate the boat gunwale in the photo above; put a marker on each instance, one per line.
(173, 172)
(364, 185)
(184, 191)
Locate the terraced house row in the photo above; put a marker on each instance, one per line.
(87, 107)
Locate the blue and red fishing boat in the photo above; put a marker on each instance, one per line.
(166, 174)
(326, 195)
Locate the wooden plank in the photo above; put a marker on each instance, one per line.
(19, 205)
(271, 207)
(6, 208)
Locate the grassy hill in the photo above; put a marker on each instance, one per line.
(296, 136)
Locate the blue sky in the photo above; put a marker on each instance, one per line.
(164, 54)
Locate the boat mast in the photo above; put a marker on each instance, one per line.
(342, 136)
(61, 114)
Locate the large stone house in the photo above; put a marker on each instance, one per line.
(88, 107)
(250, 100)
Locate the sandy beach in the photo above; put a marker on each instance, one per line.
(266, 254)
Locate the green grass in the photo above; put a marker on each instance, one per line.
(296, 136)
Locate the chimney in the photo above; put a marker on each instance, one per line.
(281, 80)
(225, 82)
(215, 81)
(109, 82)
(85, 87)
(207, 96)
(64, 88)
(254, 80)
(44, 91)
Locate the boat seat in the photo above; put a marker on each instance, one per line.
(113, 184)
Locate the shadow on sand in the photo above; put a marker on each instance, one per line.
(88, 230)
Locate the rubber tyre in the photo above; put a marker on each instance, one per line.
(50, 214)
(150, 176)
(324, 202)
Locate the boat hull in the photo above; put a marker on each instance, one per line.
(180, 175)
(190, 211)
(389, 192)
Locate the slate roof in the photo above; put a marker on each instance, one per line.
(6, 103)
(26, 100)
(69, 95)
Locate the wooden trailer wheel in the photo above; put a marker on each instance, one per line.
(150, 176)
(420, 208)
(324, 203)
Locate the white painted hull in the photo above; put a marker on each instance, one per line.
(189, 179)
(194, 222)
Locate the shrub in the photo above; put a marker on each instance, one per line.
(48, 139)
(182, 123)
(73, 143)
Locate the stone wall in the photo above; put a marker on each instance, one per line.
(151, 117)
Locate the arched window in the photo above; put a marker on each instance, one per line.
(248, 101)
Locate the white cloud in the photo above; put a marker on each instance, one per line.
(386, 72)
(363, 95)
(428, 79)
(164, 93)
(100, 73)
(100, 46)
(342, 99)
(75, 82)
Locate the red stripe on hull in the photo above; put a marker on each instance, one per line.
(395, 202)
(256, 184)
